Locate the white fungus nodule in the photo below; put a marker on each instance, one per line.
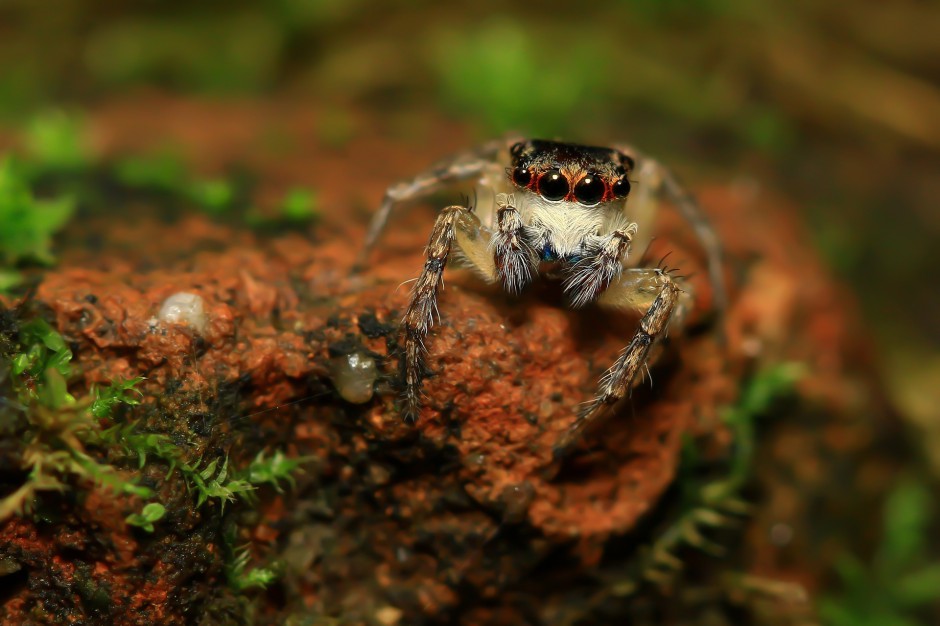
(353, 376)
(184, 308)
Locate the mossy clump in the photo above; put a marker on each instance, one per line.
(28, 223)
(66, 450)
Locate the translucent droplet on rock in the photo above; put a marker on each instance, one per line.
(184, 308)
(354, 376)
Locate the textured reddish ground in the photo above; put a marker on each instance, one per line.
(417, 516)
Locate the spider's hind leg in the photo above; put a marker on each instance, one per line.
(666, 301)
(452, 169)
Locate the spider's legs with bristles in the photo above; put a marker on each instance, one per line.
(446, 172)
(655, 182)
(516, 261)
(454, 225)
(593, 274)
(663, 300)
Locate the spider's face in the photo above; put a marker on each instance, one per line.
(567, 172)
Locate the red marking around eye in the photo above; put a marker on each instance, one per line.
(608, 191)
(534, 183)
(533, 179)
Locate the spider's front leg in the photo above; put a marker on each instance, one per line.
(592, 275)
(516, 261)
(421, 310)
(655, 182)
(503, 255)
(456, 225)
(663, 300)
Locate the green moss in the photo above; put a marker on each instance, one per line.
(151, 513)
(768, 130)
(755, 402)
(62, 445)
(299, 205)
(710, 495)
(165, 172)
(211, 479)
(242, 578)
(9, 279)
(40, 370)
(214, 196)
(27, 224)
(498, 71)
(120, 392)
(274, 470)
(54, 430)
(901, 581)
(56, 141)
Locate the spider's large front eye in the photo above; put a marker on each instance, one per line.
(522, 176)
(589, 190)
(552, 185)
(621, 188)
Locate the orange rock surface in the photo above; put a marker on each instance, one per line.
(461, 516)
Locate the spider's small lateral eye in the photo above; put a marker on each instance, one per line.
(589, 190)
(627, 161)
(522, 176)
(621, 188)
(552, 185)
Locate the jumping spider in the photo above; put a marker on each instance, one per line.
(562, 209)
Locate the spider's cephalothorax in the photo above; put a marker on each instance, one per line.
(585, 211)
(565, 195)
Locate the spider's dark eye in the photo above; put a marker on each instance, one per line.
(589, 190)
(522, 176)
(621, 188)
(552, 185)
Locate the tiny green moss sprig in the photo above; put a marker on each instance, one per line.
(713, 502)
(27, 224)
(120, 392)
(274, 470)
(55, 430)
(209, 480)
(152, 512)
(241, 578)
(57, 141)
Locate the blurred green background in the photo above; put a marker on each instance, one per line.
(835, 105)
